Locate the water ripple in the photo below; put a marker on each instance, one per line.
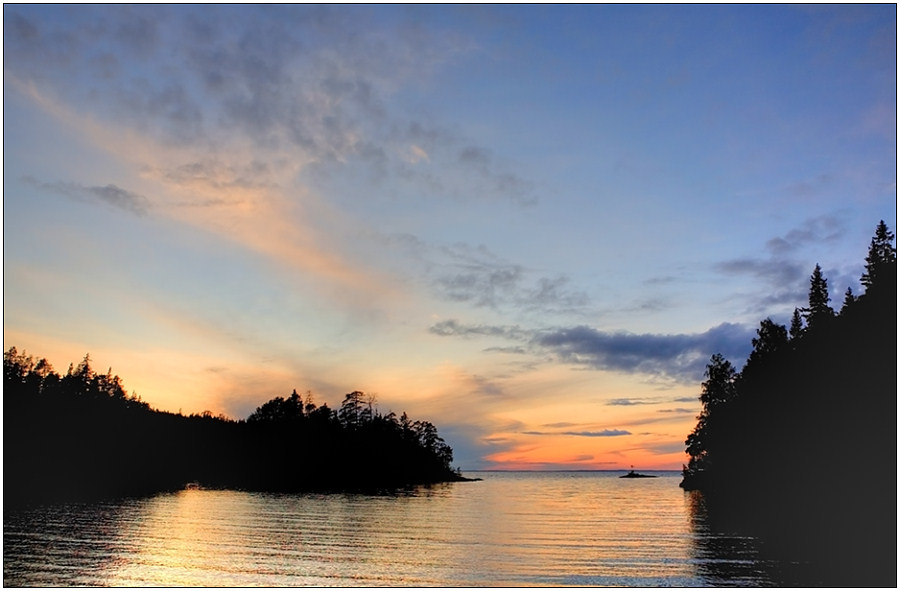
(509, 530)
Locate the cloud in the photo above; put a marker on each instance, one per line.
(464, 273)
(629, 401)
(823, 228)
(481, 161)
(603, 433)
(483, 286)
(682, 357)
(783, 277)
(772, 271)
(215, 174)
(310, 85)
(459, 169)
(109, 194)
(509, 350)
(249, 132)
(550, 293)
(451, 327)
(120, 198)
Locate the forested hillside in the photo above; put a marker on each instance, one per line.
(79, 436)
(800, 446)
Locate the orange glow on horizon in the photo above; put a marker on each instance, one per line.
(558, 453)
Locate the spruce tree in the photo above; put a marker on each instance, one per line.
(881, 253)
(818, 299)
(849, 298)
(796, 324)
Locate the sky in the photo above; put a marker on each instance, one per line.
(530, 225)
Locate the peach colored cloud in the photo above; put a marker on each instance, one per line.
(239, 194)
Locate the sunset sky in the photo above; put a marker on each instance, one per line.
(529, 225)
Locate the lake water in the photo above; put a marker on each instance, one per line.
(511, 529)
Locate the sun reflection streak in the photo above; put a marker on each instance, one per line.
(510, 529)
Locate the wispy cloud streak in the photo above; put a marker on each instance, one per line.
(603, 433)
(109, 194)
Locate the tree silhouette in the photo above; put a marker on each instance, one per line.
(80, 436)
(796, 324)
(355, 410)
(715, 391)
(849, 298)
(800, 447)
(770, 337)
(882, 254)
(818, 310)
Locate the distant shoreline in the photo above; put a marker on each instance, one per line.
(674, 472)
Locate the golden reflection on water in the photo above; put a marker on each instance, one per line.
(509, 530)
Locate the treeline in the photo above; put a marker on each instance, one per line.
(800, 446)
(80, 436)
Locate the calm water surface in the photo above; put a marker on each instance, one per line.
(511, 529)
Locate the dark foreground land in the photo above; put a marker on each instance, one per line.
(80, 437)
(800, 446)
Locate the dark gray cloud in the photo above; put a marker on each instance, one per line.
(681, 356)
(110, 194)
(677, 411)
(629, 401)
(603, 433)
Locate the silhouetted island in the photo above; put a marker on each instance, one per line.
(633, 474)
(800, 446)
(79, 436)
